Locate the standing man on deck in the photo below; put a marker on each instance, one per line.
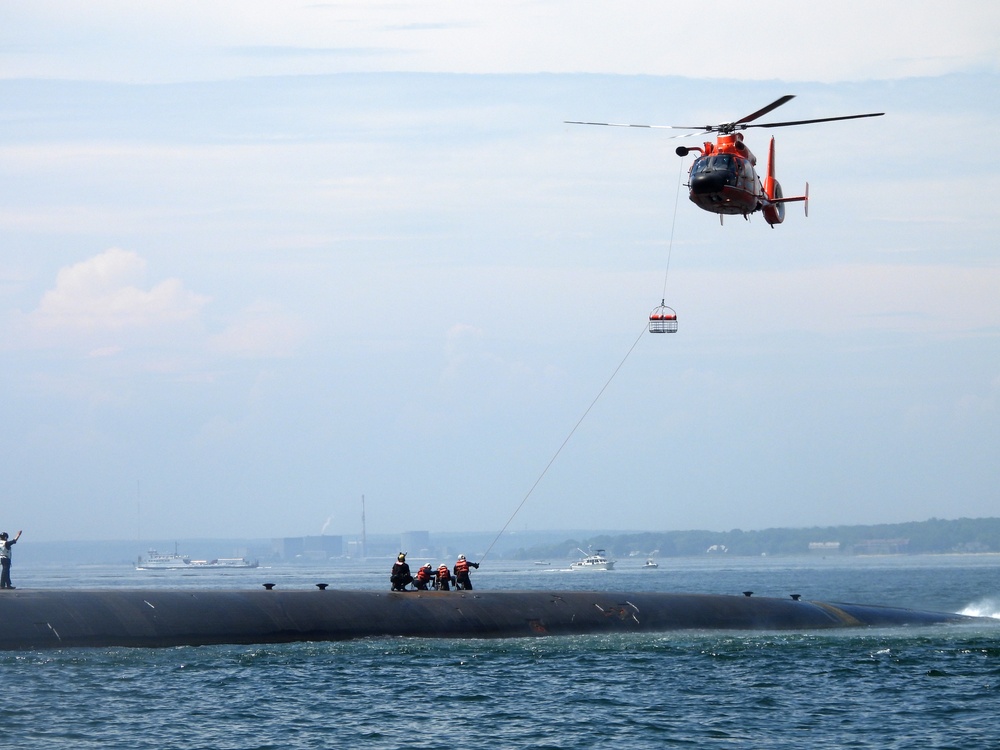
(462, 580)
(5, 545)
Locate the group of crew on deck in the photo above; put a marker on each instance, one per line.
(427, 578)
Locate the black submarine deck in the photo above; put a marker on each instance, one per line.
(37, 619)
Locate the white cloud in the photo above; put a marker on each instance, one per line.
(784, 39)
(104, 293)
(104, 351)
(262, 331)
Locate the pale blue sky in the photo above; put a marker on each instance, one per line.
(258, 259)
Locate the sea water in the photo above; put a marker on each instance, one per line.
(914, 687)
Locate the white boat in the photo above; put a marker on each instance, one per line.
(650, 564)
(158, 561)
(225, 562)
(596, 560)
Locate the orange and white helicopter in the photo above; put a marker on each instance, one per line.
(723, 179)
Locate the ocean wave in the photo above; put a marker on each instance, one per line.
(988, 607)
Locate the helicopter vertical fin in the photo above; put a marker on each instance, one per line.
(774, 208)
(771, 187)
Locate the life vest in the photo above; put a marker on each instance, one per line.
(444, 573)
(424, 575)
(461, 567)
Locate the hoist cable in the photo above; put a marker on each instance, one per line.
(564, 442)
(673, 225)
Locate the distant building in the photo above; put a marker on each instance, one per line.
(310, 547)
(825, 548)
(417, 543)
(882, 547)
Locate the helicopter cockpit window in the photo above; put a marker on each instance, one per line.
(719, 163)
(723, 163)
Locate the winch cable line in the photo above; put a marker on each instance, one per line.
(673, 225)
(670, 246)
(564, 442)
(663, 319)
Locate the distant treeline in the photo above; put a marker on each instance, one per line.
(964, 535)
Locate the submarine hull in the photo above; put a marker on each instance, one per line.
(158, 618)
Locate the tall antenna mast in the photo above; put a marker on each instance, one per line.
(138, 510)
(364, 538)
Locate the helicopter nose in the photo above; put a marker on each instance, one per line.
(705, 183)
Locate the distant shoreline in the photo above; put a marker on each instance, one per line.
(959, 537)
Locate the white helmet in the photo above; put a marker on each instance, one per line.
(461, 557)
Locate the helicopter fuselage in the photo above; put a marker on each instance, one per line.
(723, 179)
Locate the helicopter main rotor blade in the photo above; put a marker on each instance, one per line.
(622, 125)
(692, 130)
(808, 122)
(761, 112)
(732, 126)
(726, 127)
